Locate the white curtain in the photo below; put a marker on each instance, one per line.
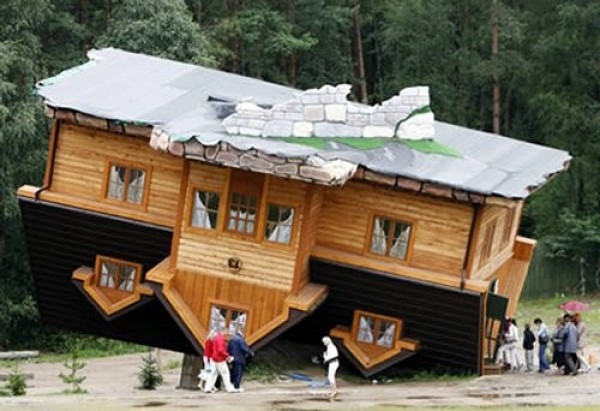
(217, 320)
(365, 331)
(240, 322)
(116, 183)
(135, 190)
(386, 339)
(400, 245)
(378, 238)
(239, 218)
(107, 276)
(200, 217)
(282, 232)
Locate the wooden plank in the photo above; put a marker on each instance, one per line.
(440, 241)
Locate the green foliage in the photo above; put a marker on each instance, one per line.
(149, 374)
(162, 28)
(72, 378)
(16, 383)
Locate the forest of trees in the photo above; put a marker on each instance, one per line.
(544, 72)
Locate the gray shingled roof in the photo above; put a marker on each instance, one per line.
(128, 87)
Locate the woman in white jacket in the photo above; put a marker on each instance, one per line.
(330, 357)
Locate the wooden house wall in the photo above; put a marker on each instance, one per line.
(494, 238)
(207, 252)
(309, 233)
(198, 291)
(61, 239)
(441, 228)
(80, 167)
(447, 322)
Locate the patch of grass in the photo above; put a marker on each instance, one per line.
(171, 365)
(432, 147)
(547, 309)
(261, 372)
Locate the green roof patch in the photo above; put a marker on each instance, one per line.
(432, 147)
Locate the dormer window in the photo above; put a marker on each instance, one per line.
(390, 238)
(117, 274)
(244, 202)
(126, 184)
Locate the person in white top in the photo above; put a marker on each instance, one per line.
(330, 357)
(512, 338)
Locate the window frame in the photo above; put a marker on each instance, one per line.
(243, 179)
(293, 226)
(119, 262)
(190, 210)
(110, 162)
(220, 304)
(377, 319)
(395, 218)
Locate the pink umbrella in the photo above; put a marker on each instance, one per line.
(574, 306)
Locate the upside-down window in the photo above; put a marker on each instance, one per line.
(375, 329)
(279, 223)
(244, 202)
(227, 320)
(205, 209)
(390, 237)
(117, 274)
(127, 184)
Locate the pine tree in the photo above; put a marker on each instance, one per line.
(15, 382)
(72, 378)
(149, 374)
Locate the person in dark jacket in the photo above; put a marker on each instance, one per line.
(240, 351)
(528, 341)
(569, 340)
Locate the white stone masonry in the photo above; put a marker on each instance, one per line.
(326, 112)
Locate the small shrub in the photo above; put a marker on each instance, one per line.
(16, 381)
(71, 378)
(149, 374)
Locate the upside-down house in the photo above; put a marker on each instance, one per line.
(179, 198)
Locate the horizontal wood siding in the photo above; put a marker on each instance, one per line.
(197, 290)
(80, 166)
(62, 239)
(208, 251)
(446, 322)
(440, 233)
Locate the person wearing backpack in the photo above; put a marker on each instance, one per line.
(543, 339)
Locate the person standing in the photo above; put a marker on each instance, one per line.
(219, 359)
(557, 344)
(239, 350)
(330, 358)
(543, 339)
(582, 333)
(512, 339)
(570, 346)
(528, 341)
(206, 374)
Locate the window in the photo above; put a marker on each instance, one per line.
(205, 209)
(126, 184)
(226, 320)
(279, 224)
(117, 274)
(244, 201)
(375, 329)
(390, 237)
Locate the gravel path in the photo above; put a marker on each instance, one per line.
(110, 383)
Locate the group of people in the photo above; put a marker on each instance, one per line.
(568, 339)
(219, 355)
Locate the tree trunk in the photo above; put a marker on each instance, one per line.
(188, 379)
(496, 87)
(360, 61)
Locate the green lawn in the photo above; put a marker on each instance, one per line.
(547, 309)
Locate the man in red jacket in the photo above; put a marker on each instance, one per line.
(215, 350)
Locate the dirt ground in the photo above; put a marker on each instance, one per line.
(111, 386)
